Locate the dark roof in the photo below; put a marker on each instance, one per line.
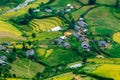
(85, 45)
(76, 35)
(58, 40)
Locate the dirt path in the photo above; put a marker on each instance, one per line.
(20, 6)
(28, 68)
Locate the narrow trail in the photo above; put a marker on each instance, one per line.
(20, 6)
(28, 67)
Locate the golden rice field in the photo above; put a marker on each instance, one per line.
(45, 24)
(9, 32)
(116, 37)
(104, 60)
(44, 52)
(108, 71)
(65, 76)
(21, 11)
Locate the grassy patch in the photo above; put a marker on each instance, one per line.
(61, 56)
(76, 14)
(101, 19)
(25, 68)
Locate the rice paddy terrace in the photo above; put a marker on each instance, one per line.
(51, 60)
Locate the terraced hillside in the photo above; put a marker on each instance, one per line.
(9, 32)
(45, 24)
(21, 11)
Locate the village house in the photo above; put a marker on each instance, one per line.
(3, 58)
(76, 65)
(48, 9)
(77, 28)
(36, 10)
(58, 41)
(66, 45)
(67, 33)
(2, 47)
(30, 52)
(63, 37)
(102, 43)
(57, 28)
(81, 22)
(85, 45)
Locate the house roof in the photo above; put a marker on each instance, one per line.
(82, 23)
(57, 28)
(63, 37)
(102, 43)
(76, 27)
(76, 34)
(30, 52)
(67, 33)
(66, 44)
(81, 19)
(2, 47)
(3, 57)
(85, 45)
(58, 40)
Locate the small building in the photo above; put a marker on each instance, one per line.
(85, 45)
(70, 6)
(76, 35)
(81, 19)
(56, 28)
(102, 43)
(63, 37)
(82, 23)
(30, 52)
(3, 58)
(36, 10)
(66, 45)
(76, 27)
(76, 65)
(48, 9)
(3, 47)
(58, 41)
(67, 33)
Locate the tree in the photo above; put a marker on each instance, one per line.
(91, 2)
(117, 4)
(23, 46)
(33, 35)
(14, 49)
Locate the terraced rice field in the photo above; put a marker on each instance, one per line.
(45, 24)
(9, 32)
(112, 70)
(21, 11)
(116, 37)
(65, 76)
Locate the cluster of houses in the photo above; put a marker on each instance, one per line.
(80, 33)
